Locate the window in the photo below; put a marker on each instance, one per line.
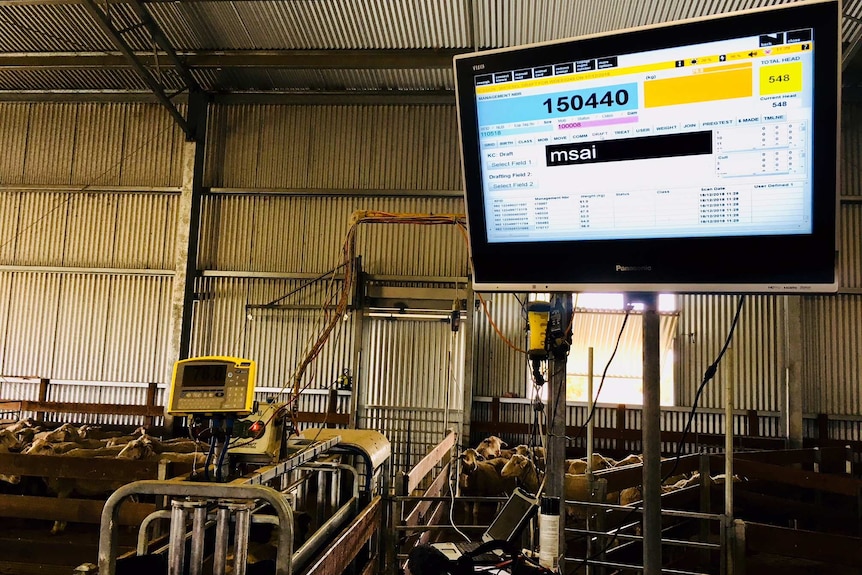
(597, 323)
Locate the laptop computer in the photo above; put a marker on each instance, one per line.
(507, 526)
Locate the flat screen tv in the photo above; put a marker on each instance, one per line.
(694, 156)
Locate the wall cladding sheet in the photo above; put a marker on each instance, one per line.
(276, 338)
(89, 144)
(274, 233)
(334, 147)
(129, 230)
(499, 369)
(832, 340)
(97, 327)
(28, 343)
(757, 347)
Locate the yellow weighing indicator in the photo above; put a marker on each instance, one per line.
(213, 385)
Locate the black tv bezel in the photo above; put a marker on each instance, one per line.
(744, 264)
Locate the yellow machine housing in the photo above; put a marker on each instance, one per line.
(212, 385)
(257, 437)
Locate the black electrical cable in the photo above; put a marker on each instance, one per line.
(210, 454)
(228, 424)
(707, 376)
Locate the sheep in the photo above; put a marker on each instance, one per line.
(632, 459)
(482, 478)
(579, 466)
(524, 470)
(9, 442)
(490, 447)
(66, 432)
(539, 458)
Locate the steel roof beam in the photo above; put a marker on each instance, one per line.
(162, 42)
(284, 59)
(104, 24)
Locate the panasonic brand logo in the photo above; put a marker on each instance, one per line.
(621, 268)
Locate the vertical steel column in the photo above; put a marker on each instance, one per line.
(242, 512)
(553, 509)
(792, 407)
(177, 538)
(651, 435)
(357, 404)
(187, 236)
(221, 539)
(469, 368)
(590, 402)
(728, 457)
(199, 518)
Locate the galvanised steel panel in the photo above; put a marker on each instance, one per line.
(152, 146)
(368, 79)
(831, 332)
(276, 338)
(272, 233)
(499, 369)
(14, 123)
(50, 143)
(322, 24)
(88, 229)
(412, 433)
(16, 388)
(757, 347)
(851, 149)
(28, 340)
(300, 80)
(412, 382)
(96, 392)
(145, 231)
(850, 247)
(9, 209)
(137, 329)
(41, 228)
(91, 223)
(79, 341)
(337, 147)
(30, 27)
(90, 144)
(412, 363)
(98, 152)
(6, 281)
(75, 79)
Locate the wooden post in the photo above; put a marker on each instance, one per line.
(43, 396)
(149, 420)
(331, 406)
(753, 423)
(822, 429)
(621, 428)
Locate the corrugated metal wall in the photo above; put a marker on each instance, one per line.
(290, 234)
(413, 379)
(334, 148)
(286, 180)
(757, 349)
(88, 200)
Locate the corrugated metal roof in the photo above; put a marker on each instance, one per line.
(324, 25)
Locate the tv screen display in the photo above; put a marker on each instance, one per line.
(696, 156)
